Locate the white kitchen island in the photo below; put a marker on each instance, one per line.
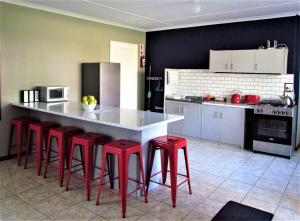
(136, 125)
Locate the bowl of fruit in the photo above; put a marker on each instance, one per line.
(89, 103)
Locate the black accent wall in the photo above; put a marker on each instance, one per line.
(189, 47)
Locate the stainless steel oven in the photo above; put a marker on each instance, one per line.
(274, 129)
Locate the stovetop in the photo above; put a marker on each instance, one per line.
(274, 108)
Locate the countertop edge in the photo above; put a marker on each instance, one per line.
(244, 106)
(97, 121)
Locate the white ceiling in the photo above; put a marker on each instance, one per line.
(150, 15)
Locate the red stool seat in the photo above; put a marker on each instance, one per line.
(123, 149)
(87, 141)
(20, 124)
(41, 130)
(169, 146)
(62, 135)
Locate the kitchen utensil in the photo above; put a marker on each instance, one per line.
(252, 99)
(236, 97)
(286, 101)
(149, 89)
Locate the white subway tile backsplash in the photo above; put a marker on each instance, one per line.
(201, 82)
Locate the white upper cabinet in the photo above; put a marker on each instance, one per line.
(220, 61)
(242, 60)
(268, 61)
(271, 61)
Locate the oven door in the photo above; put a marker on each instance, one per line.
(273, 129)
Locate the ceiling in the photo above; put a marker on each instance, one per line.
(151, 15)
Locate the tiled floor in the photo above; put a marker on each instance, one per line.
(219, 173)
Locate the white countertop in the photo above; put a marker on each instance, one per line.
(112, 116)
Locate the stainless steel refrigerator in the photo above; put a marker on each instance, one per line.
(101, 80)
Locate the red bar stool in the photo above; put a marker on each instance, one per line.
(41, 130)
(123, 149)
(21, 125)
(87, 141)
(62, 135)
(169, 146)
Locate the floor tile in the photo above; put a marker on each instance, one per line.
(76, 212)
(36, 194)
(20, 185)
(265, 195)
(167, 212)
(260, 204)
(53, 205)
(244, 177)
(285, 214)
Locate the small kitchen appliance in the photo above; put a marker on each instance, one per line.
(252, 99)
(274, 129)
(236, 97)
(54, 93)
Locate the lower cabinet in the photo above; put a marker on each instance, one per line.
(223, 124)
(210, 122)
(191, 125)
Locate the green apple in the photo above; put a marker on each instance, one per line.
(84, 98)
(91, 98)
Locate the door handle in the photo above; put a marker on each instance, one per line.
(215, 114)
(221, 115)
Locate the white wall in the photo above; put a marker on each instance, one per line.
(201, 82)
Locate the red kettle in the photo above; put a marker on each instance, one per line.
(236, 97)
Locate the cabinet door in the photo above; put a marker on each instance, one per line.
(243, 61)
(271, 61)
(219, 61)
(210, 122)
(173, 107)
(232, 125)
(191, 124)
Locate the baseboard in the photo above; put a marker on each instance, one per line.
(11, 156)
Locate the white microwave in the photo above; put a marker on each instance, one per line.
(54, 93)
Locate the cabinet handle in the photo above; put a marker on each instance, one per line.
(256, 67)
(221, 115)
(231, 66)
(226, 66)
(183, 110)
(215, 114)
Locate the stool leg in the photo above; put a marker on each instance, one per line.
(82, 159)
(101, 176)
(70, 165)
(88, 163)
(187, 168)
(140, 155)
(10, 139)
(29, 143)
(48, 154)
(149, 172)
(39, 151)
(61, 159)
(164, 165)
(173, 170)
(109, 168)
(123, 179)
(19, 143)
